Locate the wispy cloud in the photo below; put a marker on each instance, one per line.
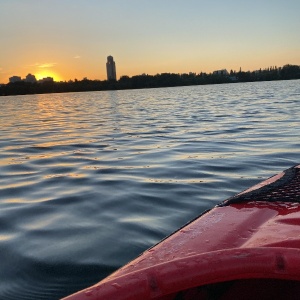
(43, 65)
(47, 65)
(77, 56)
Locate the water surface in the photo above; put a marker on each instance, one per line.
(90, 180)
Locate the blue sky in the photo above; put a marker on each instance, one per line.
(71, 38)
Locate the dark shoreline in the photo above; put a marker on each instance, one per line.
(287, 72)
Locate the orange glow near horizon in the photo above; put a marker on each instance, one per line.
(47, 73)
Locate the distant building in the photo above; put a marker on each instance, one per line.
(30, 78)
(14, 79)
(223, 72)
(111, 68)
(46, 79)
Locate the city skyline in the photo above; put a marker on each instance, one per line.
(67, 39)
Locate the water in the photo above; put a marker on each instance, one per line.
(90, 180)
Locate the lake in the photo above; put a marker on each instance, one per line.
(90, 180)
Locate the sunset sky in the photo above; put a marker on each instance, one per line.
(68, 39)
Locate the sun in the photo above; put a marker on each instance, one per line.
(47, 73)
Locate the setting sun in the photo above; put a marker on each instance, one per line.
(47, 73)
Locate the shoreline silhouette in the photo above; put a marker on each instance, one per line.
(287, 72)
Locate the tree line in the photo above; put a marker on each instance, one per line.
(286, 72)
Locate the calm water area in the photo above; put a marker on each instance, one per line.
(90, 180)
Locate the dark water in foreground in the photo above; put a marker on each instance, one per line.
(90, 180)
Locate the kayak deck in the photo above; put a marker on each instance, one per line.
(246, 247)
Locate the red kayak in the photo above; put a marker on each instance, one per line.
(247, 247)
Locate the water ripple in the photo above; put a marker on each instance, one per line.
(90, 180)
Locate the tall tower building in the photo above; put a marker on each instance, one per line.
(111, 68)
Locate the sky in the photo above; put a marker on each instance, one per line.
(71, 39)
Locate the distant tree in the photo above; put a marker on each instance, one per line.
(290, 72)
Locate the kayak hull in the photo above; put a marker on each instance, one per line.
(245, 241)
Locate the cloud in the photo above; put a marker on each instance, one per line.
(47, 65)
(77, 56)
(44, 65)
